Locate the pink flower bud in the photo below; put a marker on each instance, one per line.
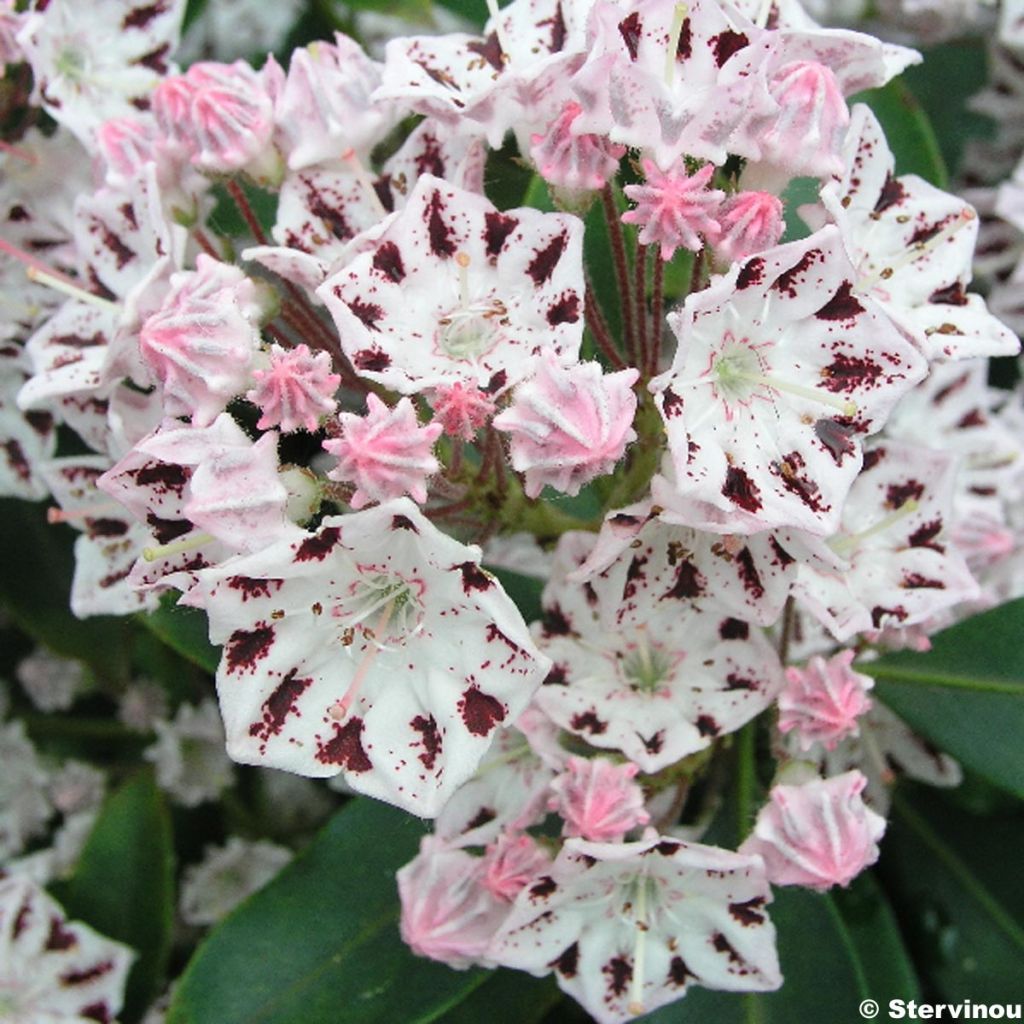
(462, 409)
(448, 914)
(808, 131)
(819, 834)
(386, 453)
(569, 426)
(201, 341)
(295, 390)
(572, 161)
(750, 222)
(511, 864)
(220, 114)
(823, 701)
(674, 209)
(598, 799)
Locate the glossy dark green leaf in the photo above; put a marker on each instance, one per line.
(908, 131)
(184, 630)
(966, 694)
(875, 933)
(943, 83)
(35, 584)
(524, 590)
(123, 884)
(507, 997)
(320, 944)
(954, 879)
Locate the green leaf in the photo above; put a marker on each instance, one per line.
(524, 591)
(876, 936)
(184, 630)
(966, 694)
(954, 879)
(950, 74)
(38, 564)
(507, 997)
(908, 131)
(123, 884)
(320, 944)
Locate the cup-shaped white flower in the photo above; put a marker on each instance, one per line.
(453, 290)
(780, 371)
(376, 647)
(628, 927)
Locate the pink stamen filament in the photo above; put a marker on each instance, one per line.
(341, 707)
(31, 262)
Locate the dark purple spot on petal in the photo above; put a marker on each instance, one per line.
(751, 273)
(567, 962)
(245, 647)
(619, 972)
(440, 233)
(733, 629)
(842, 305)
(371, 359)
(544, 261)
(474, 578)
(430, 737)
(345, 748)
(368, 313)
(749, 912)
(897, 495)
(566, 310)
(497, 228)
(319, 546)
(707, 726)
(480, 711)
(282, 702)
(741, 490)
(630, 29)
(726, 43)
(892, 192)
(846, 373)
(587, 721)
(254, 588)
(387, 260)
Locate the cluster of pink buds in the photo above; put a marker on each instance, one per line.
(330, 431)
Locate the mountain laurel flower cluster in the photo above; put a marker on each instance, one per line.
(281, 342)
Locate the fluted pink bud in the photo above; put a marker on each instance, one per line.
(385, 453)
(750, 222)
(221, 114)
(512, 863)
(818, 834)
(569, 425)
(462, 409)
(823, 701)
(571, 161)
(598, 799)
(674, 209)
(295, 390)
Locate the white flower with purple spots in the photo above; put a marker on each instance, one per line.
(780, 371)
(643, 665)
(629, 927)
(455, 291)
(375, 647)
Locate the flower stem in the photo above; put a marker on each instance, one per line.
(247, 212)
(618, 243)
(640, 275)
(657, 312)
